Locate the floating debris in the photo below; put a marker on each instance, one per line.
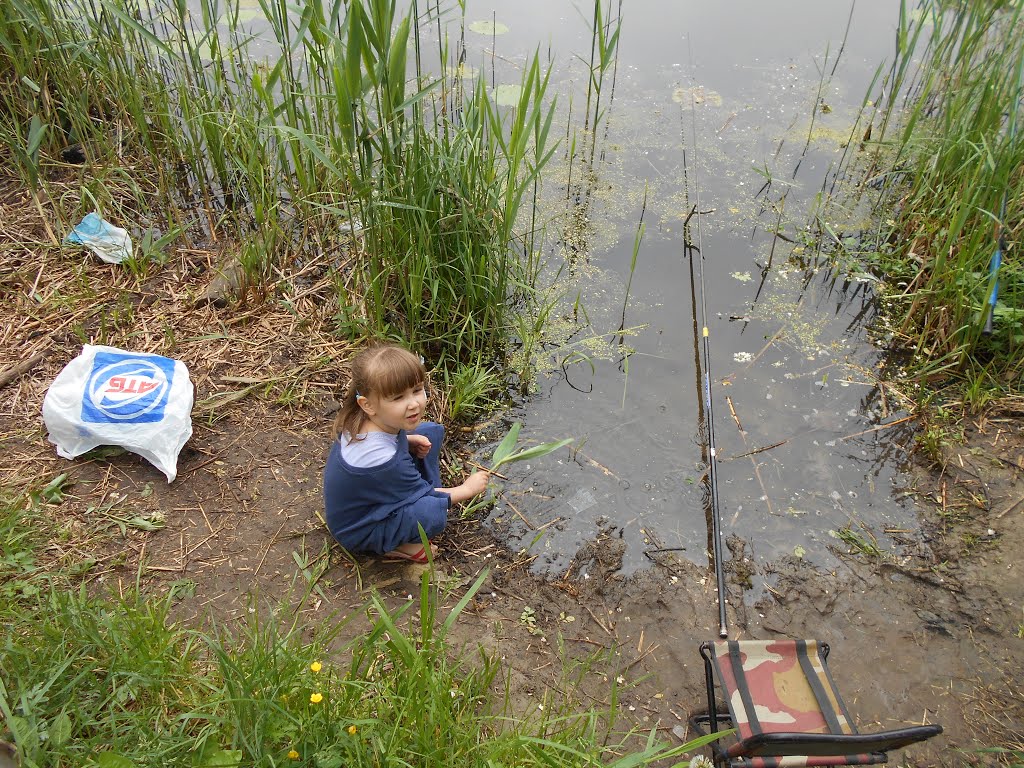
(582, 500)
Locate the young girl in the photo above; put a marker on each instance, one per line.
(383, 473)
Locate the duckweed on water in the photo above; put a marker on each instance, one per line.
(507, 95)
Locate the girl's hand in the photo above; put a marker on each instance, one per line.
(476, 483)
(419, 445)
(473, 485)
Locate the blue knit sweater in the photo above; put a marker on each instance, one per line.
(374, 509)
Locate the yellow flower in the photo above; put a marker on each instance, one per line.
(351, 730)
(293, 755)
(316, 666)
(316, 698)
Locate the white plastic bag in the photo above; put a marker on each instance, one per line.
(107, 396)
(112, 244)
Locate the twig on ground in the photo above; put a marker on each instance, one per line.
(266, 551)
(607, 628)
(16, 371)
(1010, 508)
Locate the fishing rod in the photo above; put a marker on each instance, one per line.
(709, 415)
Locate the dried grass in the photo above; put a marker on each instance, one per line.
(995, 712)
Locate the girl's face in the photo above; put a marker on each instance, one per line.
(392, 413)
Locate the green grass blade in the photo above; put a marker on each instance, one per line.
(506, 446)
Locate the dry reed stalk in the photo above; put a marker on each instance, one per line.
(877, 428)
(519, 514)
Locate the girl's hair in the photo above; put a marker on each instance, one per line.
(382, 369)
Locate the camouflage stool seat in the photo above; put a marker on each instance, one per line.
(786, 710)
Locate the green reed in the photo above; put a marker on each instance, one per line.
(604, 41)
(322, 137)
(950, 130)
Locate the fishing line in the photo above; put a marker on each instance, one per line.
(712, 482)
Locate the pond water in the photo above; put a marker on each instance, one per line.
(706, 104)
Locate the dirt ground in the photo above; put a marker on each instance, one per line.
(929, 636)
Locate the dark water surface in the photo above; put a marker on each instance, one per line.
(704, 94)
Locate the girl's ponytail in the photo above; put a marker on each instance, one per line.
(349, 418)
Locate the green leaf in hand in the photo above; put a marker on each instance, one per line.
(503, 453)
(505, 447)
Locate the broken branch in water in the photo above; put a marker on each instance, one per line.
(757, 468)
(762, 449)
(521, 516)
(877, 428)
(755, 358)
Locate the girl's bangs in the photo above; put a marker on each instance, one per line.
(398, 372)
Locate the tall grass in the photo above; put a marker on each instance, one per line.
(950, 130)
(86, 679)
(322, 141)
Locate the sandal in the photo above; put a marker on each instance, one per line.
(419, 557)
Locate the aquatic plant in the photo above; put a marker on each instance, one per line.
(948, 128)
(505, 453)
(861, 544)
(470, 389)
(604, 41)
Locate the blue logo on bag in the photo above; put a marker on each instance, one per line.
(127, 389)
